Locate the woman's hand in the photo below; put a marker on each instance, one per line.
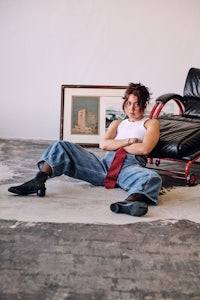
(134, 140)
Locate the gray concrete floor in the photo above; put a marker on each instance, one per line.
(68, 245)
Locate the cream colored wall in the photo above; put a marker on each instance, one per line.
(47, 43)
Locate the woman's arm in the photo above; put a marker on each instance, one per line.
(132, 145)
(141, 147)
(108, 142)
(150, 139)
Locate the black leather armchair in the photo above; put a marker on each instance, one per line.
(179, 134)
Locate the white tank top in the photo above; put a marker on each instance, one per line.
(127, 129)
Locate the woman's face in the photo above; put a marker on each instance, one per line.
(132, 108)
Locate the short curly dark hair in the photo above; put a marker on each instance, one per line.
(139, 90)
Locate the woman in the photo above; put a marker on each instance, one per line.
(134, 137)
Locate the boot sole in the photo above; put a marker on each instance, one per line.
(135, 208)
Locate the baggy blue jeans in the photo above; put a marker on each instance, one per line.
(66, 158)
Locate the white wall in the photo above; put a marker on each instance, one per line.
(47, 43)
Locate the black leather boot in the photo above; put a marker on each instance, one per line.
(36, 185)
(134, 205)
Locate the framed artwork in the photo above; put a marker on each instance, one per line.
(87, 111)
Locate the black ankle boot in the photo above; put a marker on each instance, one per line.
(36, 185)
(134, 205)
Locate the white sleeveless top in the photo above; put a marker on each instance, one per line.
(127, 129)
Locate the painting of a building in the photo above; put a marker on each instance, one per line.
(85, 115)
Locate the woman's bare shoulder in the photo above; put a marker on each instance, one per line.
(115, 123)
(151, 122)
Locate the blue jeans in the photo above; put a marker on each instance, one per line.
(66, 158)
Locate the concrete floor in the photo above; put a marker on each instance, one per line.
(131, 258)
(73, 201)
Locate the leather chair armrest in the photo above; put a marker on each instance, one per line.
(167, 97)
(162, 100)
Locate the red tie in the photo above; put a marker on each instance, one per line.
(115, 167)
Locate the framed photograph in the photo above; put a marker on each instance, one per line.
(87, 111)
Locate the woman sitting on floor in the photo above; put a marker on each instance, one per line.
(131, 139)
